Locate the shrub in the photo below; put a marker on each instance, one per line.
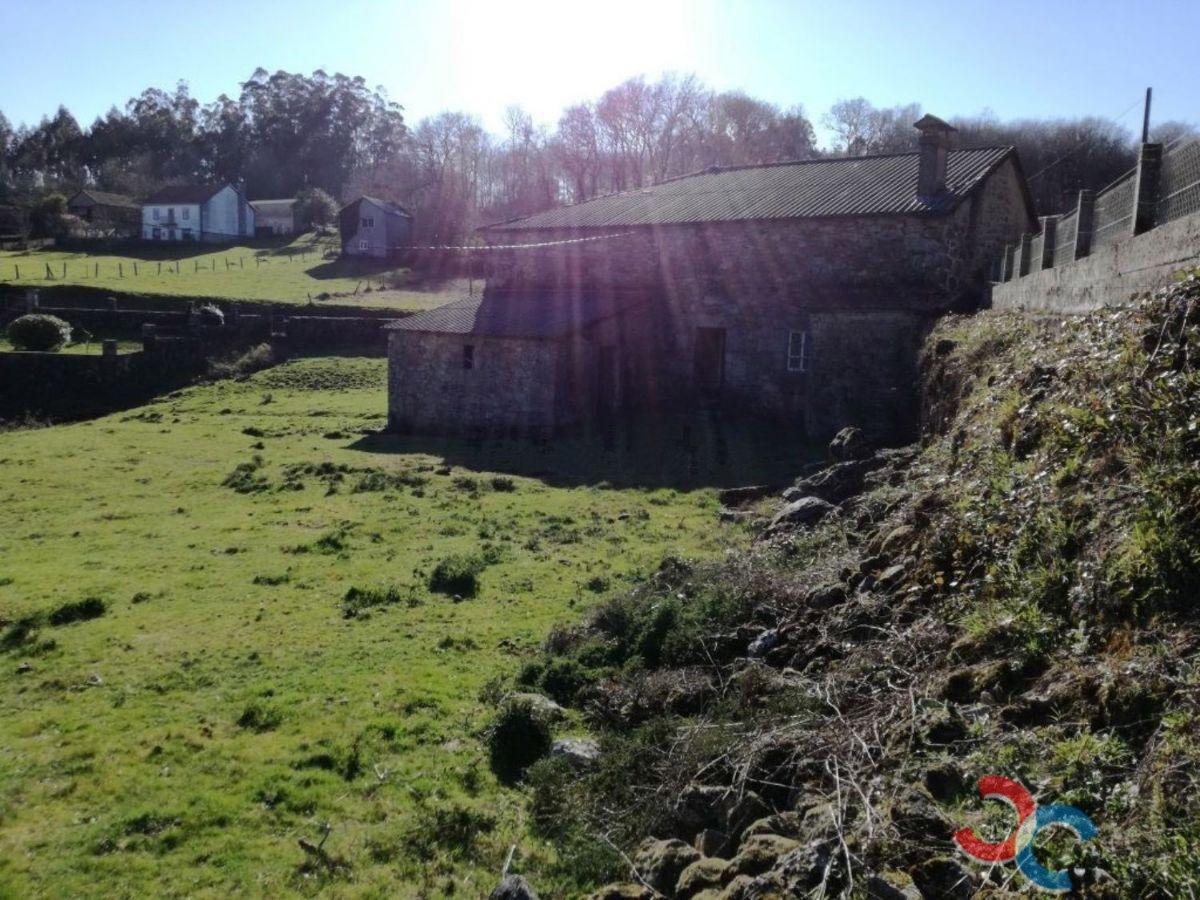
(457, 574)
(503, 484)
(518, 738)
(79, 611)
(358, 600)
(259, 717)
(38, 332)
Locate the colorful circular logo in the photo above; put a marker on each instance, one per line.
(1031, 819)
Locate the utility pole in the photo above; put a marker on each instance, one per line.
(1146, 118)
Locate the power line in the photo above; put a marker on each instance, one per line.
(1081, 145)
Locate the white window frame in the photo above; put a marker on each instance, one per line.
(170, 213)
(156, 211)
(368, 222)
(798, 351)
(362, 245)
(187, 213)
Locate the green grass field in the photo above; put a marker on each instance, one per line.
(265, 270)
(217, 705)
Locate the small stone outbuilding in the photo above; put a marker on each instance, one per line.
(796, 291)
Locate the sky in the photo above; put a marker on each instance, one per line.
(1041, 59)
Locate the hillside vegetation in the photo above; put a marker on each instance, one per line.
(276, 270)
(237, 619)
(1016, 597)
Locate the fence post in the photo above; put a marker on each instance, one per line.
(1084, 217)
(1146, 187)
(1049, 237)
(1010, 252)
(1023, 259)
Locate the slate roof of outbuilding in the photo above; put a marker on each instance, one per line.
(183, 193)
(386, 205)
(516, 315)
(273, 207)
(850, 186)
(106, 198)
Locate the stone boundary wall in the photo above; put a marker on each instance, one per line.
(1110, 276)
(311, 334)
(69, 296)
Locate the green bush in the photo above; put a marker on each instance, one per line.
(79, 611)
(38, 332)
(457, 574)
(518, 738)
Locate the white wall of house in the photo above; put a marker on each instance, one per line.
(171, 222)
(221, 216)
(215, 220)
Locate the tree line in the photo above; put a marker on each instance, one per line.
(286, 133)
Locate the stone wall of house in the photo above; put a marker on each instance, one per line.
(511, 388)
(863, 289)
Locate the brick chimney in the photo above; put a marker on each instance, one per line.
(935, 140)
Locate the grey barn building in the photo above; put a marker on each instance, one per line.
(374, 228)
(797, 291)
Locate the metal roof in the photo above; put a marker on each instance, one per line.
(852, 186)
(516, 315)
(104, 198)
(183, 193)
(274, 207)
(394, 209)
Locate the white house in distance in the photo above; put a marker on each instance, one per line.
(185, 212)
(274, 216)
(371, 227)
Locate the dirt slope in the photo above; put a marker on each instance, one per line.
(1015, 597)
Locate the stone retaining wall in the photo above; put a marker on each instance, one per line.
(1110, 276)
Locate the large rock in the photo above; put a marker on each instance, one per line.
(849, 444)
(801, 870)
(660, 863)
(739, 496)
(917, 817)
(703, 874)
(622, 892)
(805, 511)
(545, 708)
(944, 877)
(892, 886)
(760, 852)
(513, 887)
(838, 482)
(580, 753)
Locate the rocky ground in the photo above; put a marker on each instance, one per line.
(1015, 596)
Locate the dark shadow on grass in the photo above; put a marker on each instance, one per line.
(679, 451)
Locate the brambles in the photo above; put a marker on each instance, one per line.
(37, 331)
(518, 737)
(359, 600)
(259, 717)
(79, 611)
(457, 574)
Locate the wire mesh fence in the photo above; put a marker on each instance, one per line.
(1036, 250)
(1064, 238)
(1113, 215)
(1179, 182)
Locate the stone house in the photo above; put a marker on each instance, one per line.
(190, 212)
(374, 228)
(274, 216)
(106, 212)
(798, 291)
